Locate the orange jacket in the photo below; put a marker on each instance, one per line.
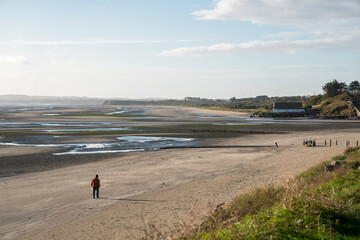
(95, 183)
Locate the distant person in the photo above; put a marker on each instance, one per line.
(95, 184)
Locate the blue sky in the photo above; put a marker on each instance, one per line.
(177, 48)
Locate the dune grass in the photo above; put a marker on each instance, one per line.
(314, 205)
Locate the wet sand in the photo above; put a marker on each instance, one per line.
(161, 187)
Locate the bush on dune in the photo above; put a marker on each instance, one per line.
(338, 107)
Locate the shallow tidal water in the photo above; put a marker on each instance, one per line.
(120, 144)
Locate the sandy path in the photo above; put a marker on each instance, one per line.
(161, 187)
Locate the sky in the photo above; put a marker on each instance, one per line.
(177, 48)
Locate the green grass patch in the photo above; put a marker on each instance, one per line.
(101, 115)
(331, 211)
(18, 133)
(96, 132)
(229, 109)
(315, 205)
(105, 132)
(249, 203)
(339, 158)
(265, 128)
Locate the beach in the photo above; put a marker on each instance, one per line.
(167, 188)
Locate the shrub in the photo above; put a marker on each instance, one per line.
(339, 158)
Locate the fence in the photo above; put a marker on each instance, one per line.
(327, 142)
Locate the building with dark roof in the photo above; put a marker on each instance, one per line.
(288, 107)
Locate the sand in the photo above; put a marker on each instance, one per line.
(164, 188)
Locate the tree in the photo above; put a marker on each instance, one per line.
(354, 88)
(334, 88)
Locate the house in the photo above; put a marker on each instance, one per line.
(288, 107)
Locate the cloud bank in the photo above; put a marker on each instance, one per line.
(284, 12)
(261, 47)
(317, 25)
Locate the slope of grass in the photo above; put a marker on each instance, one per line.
(315, 205)
(329, 211)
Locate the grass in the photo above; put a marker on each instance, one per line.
(314, 205)
(224, 108)
(137, 130)
(102, 115)
(18, 133)
(9, 134)
(106, 132)
(275, 128)
(96, 132)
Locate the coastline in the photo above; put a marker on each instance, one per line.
(152, 186)
(163, 188)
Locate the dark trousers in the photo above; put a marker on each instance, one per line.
(97, 192)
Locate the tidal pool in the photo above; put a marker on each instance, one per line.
(121, 144)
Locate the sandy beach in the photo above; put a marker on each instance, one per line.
(166, 188)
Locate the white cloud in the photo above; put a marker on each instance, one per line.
(316, 25)
(14, 60)
(260, 47)
(284, 12)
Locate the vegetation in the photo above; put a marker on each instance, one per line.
(315, 205)
(18, 133)
(102, 115)
(268, 128)
(242, 104)
(334, 88)
(340, 105)
(100, 132)
(338, 100)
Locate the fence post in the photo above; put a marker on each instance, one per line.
(330, 142)
(357, 143)
(336, 142)
(325, 142)
(276, 144)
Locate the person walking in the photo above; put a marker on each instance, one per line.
(95, 184)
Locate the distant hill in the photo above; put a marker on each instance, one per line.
(263, 102)
(25, 99)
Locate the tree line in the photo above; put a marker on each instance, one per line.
(330, 89)
(334, 88)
